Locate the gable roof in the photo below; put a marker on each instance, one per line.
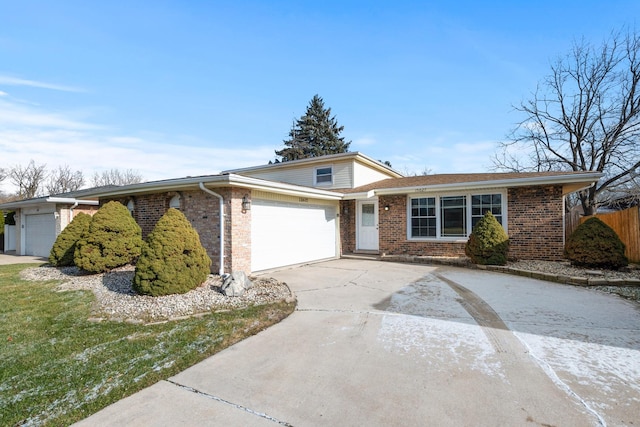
(570, 181)
(355, 155)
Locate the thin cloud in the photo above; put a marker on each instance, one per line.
(15, 81)
(58, 139)
(13, 115)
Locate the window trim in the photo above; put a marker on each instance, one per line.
(323, 183)
(438, 196)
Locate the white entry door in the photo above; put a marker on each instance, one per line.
(367, 225)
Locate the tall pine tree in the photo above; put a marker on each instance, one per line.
(314, 134)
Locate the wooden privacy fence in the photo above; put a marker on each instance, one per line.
(626, 224)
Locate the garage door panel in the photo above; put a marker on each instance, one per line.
(40, 234)
(287, 233)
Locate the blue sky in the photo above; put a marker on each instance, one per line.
(177, 88)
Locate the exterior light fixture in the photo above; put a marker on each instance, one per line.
(386, 208)
(246, 203)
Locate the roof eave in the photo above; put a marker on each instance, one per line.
(570, 184)
(216, 181)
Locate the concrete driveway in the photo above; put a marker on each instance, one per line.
(376, 343)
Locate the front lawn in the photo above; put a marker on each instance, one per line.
(56, 367)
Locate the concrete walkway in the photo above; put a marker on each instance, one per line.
(12, 258)
(379, 343)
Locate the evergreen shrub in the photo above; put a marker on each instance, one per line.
(488, 243)
(173, 260)
(112, 240)
(64, 248)
(596, 245)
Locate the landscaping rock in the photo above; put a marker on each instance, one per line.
(117, 301)
(235, 284)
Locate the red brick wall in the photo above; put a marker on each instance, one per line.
(393, 233)
(89, 210)
(238, 225)
(202, 211)
(535, 223)
(347, 226)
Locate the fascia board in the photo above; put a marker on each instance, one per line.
(587, 179)
(156, 186)
(71, 200)
(19, 204)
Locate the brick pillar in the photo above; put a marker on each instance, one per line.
(238, 227)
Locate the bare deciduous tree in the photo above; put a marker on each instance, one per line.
(585, 116)
(28, 179)
(116, 177)
(63, 180)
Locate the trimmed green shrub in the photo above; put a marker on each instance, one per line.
(594, 244)
(173, 260)
(113, 240)
(488, 243)
(65, 246)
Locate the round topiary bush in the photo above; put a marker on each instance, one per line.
(113, 240)
(173, 260)
(63, 249)
(594, 244)
(488, 243)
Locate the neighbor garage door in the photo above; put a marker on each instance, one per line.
(40, 234)
(285, 233)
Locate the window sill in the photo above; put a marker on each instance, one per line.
(441, 240)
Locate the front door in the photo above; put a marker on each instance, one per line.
(367, 225)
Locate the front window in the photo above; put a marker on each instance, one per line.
(423, 217)
(451, 216)
(324, 175)
(487, 202)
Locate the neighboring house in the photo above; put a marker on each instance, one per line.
(40, 220)
(299, 211)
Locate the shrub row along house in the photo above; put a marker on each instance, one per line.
(269, 216)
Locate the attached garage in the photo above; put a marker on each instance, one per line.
(286, 233)
(40, 234)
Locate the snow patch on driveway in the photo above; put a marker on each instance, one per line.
(429, 321)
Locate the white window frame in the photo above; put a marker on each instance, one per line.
(315, 175)
(468, 195)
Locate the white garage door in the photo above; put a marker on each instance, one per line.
(284, 233)
(40, 234)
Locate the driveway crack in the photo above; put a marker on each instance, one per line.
(226, 402)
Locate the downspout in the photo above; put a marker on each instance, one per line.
(206, 190)
(75, 205)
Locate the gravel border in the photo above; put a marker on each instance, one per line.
(117, 301)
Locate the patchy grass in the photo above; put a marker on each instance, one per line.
(56, 367)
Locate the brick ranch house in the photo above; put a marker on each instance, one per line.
(269, 216)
